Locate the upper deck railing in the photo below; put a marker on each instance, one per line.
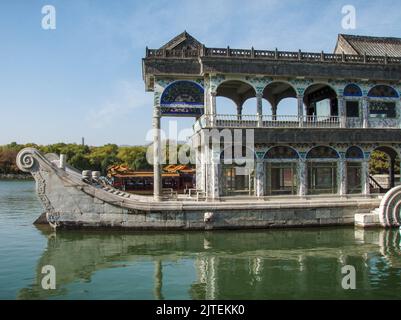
(267, 121)
(271, 55)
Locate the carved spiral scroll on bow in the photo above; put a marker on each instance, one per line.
(390, 208)
(25, 159)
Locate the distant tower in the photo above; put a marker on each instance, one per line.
(83, 141)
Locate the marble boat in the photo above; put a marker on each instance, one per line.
(73, 200)
(309, 168)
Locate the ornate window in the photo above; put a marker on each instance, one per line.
(183, 98)
(281, 168)
(352, 90)
(354, 153)
(237, 180)
(383, 91)
(352, 108)
(354, 170)
(322, 175)
(382, 109)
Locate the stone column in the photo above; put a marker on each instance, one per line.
(342, 177)
(365, 112)
(302, 177)
(199, 168)
(260, 178)
(300, 99)
(365, 177)
(157, 171)
(213, 173)
(274, 111)
(259, 109)
(213, 96)
(342, 112)
(239, 112)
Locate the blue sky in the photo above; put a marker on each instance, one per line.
(84, 78)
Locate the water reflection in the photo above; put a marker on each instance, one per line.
(296, 264)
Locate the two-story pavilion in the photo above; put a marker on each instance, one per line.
(345, 105)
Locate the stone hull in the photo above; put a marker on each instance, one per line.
(70, 202)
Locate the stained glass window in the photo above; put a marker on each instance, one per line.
(354, 153)
(383, 91)
(183, 98)
(352, 90)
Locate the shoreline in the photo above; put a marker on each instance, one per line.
(15, 176)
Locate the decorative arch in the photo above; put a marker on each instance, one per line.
(238, 91)
(245, 81)
(390, 151)
(322, 152)
(322, 84)
(383, 91)
(277, 91)
(183, 92)
(318, 92)
(352, 90)
(281, 153)
(354, 153)
(183, 97)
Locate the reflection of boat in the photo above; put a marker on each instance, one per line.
(72, 199)
(264, 264)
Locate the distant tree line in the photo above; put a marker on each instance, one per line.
(81, 157)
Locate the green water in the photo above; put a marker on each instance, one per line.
(296, 264)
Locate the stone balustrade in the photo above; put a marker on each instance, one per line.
(268, 121)
(272, 55)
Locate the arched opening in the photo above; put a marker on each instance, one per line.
(321, 101)
(352, 94)
(383, 102)
(238, 171)
(250, 107)
(383, 167)
(236, 90)
(281, 171)
(282, 98)
(354, 157)
(226, 106)
(322, 170)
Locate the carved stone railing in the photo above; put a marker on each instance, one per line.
(271, 55)
(266, 121)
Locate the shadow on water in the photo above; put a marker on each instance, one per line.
(292, 264)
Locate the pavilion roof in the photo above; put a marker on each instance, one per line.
(372, 46)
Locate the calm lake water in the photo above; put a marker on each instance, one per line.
(296, 264)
